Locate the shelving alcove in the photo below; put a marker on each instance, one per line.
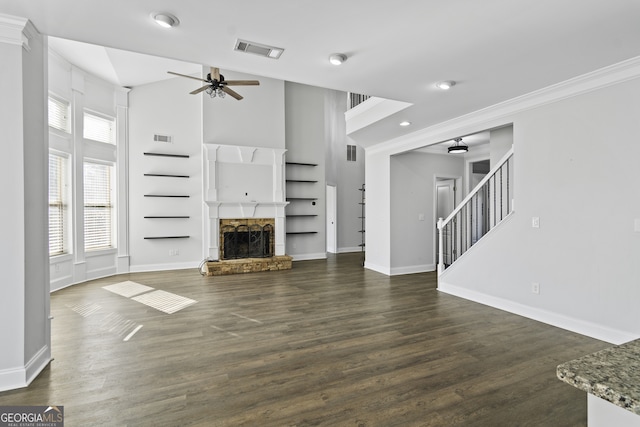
(362, 221)
(295, 210)
(169, 196)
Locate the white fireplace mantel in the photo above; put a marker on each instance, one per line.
(243, 182)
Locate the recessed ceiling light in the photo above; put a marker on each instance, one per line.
(445, 85)
(405, 123)
(337, 58)
(165, 20)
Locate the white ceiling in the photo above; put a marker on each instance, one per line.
(494, 49)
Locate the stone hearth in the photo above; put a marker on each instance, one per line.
(248, 265)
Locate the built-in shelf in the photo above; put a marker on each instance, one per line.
(166, 216)
(301, 164)
(182, 156)
(303, 189)
(167, 175)
(166, 195)
(166, 237)
(361, 218)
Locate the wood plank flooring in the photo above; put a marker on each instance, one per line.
(327, 343)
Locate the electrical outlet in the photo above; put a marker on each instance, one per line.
(535, 288)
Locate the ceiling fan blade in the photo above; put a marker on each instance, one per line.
(242, 82)
(231, 92)
(197, 91)
(184, 75)
(215, 73)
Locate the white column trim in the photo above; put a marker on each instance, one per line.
(16, 30)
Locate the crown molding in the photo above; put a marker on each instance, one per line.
(502, 113)
(16, 30)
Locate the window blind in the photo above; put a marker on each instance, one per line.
(57, 204)
(97, 206)
(99, 128)
(59, 114)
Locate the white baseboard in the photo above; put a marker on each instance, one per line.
(582, 327)
(379, 269)
(413, 269)
(308, 257)
(61, 283)
(163, 267)
(122, 264)
(347, 250)
(11, 379)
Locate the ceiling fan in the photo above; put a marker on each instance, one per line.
(216, 85)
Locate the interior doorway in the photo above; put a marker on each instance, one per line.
(446, 199)
(332, 213)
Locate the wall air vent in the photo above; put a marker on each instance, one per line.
(163, 138)
(258, 49)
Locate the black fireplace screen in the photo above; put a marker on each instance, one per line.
(247, 241)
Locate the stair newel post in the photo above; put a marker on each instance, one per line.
(440, 247)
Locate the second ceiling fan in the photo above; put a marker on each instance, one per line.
(216, 85)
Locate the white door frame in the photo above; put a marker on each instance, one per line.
(457, 197)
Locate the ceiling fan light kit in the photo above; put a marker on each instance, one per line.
(165, 20)
(446, 84)
(458, 147)
(337, 58)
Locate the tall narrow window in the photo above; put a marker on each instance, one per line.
(57, 204)
(59, 114)
(99, 128)
(98, 208)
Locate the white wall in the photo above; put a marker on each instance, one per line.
(576, 169)
(166, 108)
(255, 121)
(25, 335)
(378, 211)
(305, 137)
(413, 183)
(500, 141)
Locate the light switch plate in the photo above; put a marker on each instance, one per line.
(535, 222)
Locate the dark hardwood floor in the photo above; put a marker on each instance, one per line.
(325, 344)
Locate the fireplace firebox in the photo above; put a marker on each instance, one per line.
(240, 239)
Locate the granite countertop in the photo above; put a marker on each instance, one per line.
(612, 374)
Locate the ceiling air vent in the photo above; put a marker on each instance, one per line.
(258, 49)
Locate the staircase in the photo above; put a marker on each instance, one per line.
(490, 202)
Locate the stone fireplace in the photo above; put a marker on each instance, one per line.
(244, 203)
